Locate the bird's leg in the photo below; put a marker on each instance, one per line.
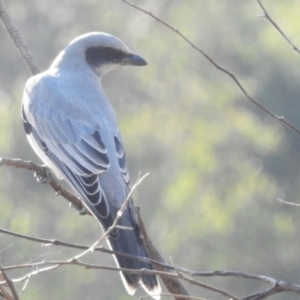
(43, 177)
(81, 211)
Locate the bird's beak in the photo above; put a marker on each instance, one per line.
(136, 60)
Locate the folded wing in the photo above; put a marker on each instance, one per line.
(78, 152)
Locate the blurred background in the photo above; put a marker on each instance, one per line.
(216, 163)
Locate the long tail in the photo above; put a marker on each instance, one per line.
(130, 242)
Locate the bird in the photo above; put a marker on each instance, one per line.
(72, 127)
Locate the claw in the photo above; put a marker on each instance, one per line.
(43, 179)
(83, 211)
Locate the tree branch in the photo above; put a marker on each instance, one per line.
(267, 16)
(5, 293)
(41, 171)
(48, 242)
(288, 203)
(281, 286)
(175, 296)
(55, 264)
(10, 284)
(15, 35)
(219, 67)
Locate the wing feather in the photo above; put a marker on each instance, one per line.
(78, 152)
(122, 158)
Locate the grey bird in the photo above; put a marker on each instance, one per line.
(72, 127)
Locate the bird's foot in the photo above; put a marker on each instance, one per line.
(81, 211)
(43, 178)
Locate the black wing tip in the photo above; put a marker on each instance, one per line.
(26, 124)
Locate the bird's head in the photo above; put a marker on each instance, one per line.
(100, 51)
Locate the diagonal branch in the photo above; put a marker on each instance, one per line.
(219, 67)
(267, 16)
(287, 202)
(48, 242)
(55, 264)
(5, 292)
(15, 35)
(275, 289)
(10, 284)
(42, 172)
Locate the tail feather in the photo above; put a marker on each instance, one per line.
(126, 244)
(130, 242)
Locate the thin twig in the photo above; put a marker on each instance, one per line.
(5, 292)
(219, 67)
(15, 35)
(55, 264)
(268, 17)
(25, 285)
(176, 296)
(48, 242)
(207, 286)
(288, 203)
(223, 273)
(281, 286)
(234, 274)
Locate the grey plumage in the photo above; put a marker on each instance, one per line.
(72, 127)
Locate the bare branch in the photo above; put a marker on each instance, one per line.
(165, 267)
(24, 285)
(9, 283)
(17, 39)
(55, 264)
(219, 67)
(288, 203)
(267, 16)
(4, 289)
(174, 296)
(47, 242)
(41, 171)
(233, 274)
(277, 285)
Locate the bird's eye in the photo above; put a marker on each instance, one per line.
(110, 53)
